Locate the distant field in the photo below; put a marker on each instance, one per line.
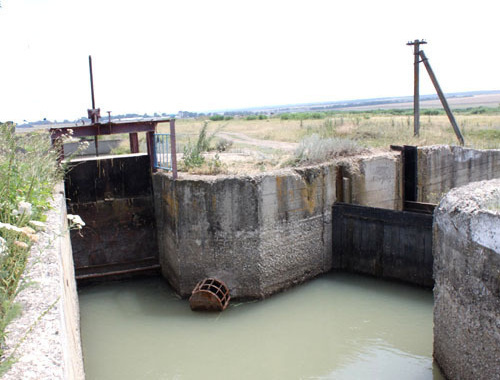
(270, 144)
(485, 100)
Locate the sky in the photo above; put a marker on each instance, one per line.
(197, 55)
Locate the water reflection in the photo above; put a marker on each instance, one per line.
(335, 327)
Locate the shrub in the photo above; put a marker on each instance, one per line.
(314, 149)
(216, 117)
(193, 153)
(223, 144)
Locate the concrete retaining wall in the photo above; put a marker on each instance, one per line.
(467, 282)
(52, 350)
(261, 234)
(442, 168)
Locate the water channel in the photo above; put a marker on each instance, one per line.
(338, 326)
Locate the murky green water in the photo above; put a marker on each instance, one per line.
(336, 327)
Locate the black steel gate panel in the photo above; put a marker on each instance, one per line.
(384, 243)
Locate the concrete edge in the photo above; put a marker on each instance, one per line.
(45, 338)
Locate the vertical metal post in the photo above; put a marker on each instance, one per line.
(173, 149)
(442, 98)
(91, 82)
(150, 141)
(134, 143)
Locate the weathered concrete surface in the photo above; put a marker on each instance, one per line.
(443, 167)
(52, 350)
(467, 282)
(377, 182)
(114, 198)
(264, 233)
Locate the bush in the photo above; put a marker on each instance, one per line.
(193, 153)
(216, 117)
(28, 172)
(314, 149)
(223, 144)
(431, 112)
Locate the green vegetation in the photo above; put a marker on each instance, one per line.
(220, 117)
(28, 173)
(481, 110)
(194, 159)
(256, 117)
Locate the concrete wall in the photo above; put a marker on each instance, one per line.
(443, 167)
(52, 349)
(261, 234)
(113, 196)
(467, 282)
(377, 182)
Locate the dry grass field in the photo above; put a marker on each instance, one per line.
(270, 143)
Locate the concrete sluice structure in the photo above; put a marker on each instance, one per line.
(467, 282)
(264, 233)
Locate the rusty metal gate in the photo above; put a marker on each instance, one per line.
(384, 243)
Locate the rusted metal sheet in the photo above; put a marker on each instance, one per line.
(210, 294)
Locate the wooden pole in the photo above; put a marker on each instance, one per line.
(442, 98)
(416, 85)
(416, 91)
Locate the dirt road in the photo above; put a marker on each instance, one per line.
(244, 139)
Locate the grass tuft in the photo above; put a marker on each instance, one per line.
(314, 149)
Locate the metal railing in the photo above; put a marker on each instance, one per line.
(163, 151)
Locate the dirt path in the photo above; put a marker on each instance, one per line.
(244, 139)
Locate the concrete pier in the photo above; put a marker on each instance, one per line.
(467, 282)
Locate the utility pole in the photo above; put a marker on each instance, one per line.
(419, 54)
(416, 92)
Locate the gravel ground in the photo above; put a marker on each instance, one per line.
(41, 351)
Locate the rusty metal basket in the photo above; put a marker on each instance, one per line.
(210, 294)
